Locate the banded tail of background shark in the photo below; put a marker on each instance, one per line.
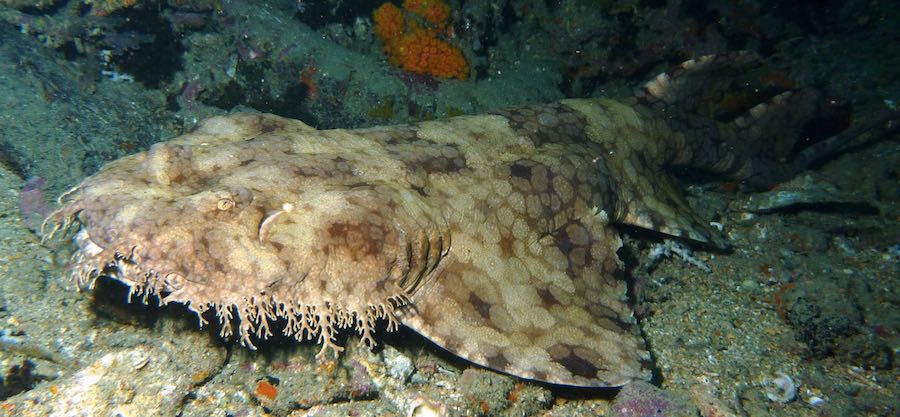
(493, 236)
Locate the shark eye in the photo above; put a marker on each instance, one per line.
(232, 198)
(225, 204)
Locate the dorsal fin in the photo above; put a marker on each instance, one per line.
(768, 134)
(696, 82)
(758, 148)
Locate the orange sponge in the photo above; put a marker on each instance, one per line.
(426, 54)
(415, 48)
(389, 21)
(435, 12)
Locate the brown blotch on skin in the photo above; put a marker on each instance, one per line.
(437, 158)
(519, 170)
(498, 361)
(574, 363)
(574, 242)
(483, 308)
(563, 242)
(547, 298)
(507, 247)
(268, 125)
(440, 164)
(364, 239)
(547, 123)
(421, 190)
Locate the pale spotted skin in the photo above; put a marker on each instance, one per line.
(492, 235)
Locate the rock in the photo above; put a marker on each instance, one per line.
(822, 314)
(806, 190)
(640, 399)
(141, 381)
(399, 366)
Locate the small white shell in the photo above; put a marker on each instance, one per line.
(781, 389)
(815, 401)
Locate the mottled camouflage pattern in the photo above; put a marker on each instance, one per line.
(490, 235)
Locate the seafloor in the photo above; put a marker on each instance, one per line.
(798, 318)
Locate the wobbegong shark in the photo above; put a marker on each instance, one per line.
(494, 236)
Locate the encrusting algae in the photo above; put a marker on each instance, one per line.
(493, 236)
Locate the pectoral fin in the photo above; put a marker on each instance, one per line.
(548, 307)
